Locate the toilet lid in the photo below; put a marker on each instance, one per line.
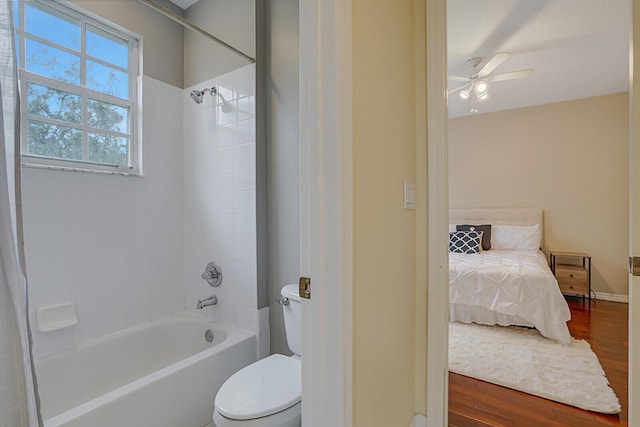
(270, 385)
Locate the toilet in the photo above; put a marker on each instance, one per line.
(267, 393)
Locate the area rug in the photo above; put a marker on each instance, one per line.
(522, 359)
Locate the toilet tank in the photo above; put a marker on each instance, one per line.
(293, 318)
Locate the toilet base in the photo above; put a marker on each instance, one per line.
(290, 417)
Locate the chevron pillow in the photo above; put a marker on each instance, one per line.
(465, 242)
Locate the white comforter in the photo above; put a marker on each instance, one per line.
(516, 283)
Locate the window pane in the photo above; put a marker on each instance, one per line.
(51, 25)
(107, 47)
(48, 140)
(51, 62)
(54, 104)
(103, 115)
(16, 15)
(107, 80)
(108, 149)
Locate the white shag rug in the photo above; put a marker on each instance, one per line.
(522, 359)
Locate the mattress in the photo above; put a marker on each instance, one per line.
(510, 283)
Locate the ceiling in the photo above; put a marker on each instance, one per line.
(578, 48)
(184, 3)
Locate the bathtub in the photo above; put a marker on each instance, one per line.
(161, 374)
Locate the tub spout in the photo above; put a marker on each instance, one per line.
(202, 303)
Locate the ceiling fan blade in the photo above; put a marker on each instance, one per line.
(459, 88)
(493, 63)
(510, 76)
(458, 78)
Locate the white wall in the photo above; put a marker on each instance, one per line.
(219, 197)
(111, 244)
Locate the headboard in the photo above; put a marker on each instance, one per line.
(502, 216)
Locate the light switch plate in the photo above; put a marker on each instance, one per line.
(409, 195)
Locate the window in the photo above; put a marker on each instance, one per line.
(78, 79)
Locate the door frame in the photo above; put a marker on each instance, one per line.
(326, 202)
(438, 216)
(634, 214)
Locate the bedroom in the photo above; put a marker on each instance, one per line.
(567, 155)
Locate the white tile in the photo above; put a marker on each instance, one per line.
(243, 249)
(242, 179)
(244, 133)
(244, 155)
(226, 156)
(88, 326)
(223, 203)
(113, 319)
(242, 225)
(223, 225)
(225, 88)
(226, 117)
(243, 107)
(240, 271)
(225, 179)
(242, 203)
(137, 314)
(226, 135)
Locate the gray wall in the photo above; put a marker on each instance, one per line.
(283, 156)
(233, 21)
(162, 38)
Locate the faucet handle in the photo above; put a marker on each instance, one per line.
(212, 274)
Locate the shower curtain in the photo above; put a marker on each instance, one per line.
(18, 401)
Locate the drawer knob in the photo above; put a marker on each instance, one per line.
(570, 275)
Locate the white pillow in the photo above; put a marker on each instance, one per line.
(516, 237)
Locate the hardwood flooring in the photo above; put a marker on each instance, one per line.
(604, 325)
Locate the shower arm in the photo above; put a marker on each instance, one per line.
(180, 20)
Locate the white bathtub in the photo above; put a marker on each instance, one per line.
(159, 374)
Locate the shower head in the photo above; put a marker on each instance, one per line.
(198, 95)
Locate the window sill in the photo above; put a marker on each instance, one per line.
(132, 173)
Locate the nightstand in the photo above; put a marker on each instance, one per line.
(573, 273)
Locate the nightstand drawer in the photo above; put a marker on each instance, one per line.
(572, 280)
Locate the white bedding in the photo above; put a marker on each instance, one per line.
(515, 283)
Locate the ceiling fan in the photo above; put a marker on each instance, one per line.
(476, 86)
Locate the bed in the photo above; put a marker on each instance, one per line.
(510, 284)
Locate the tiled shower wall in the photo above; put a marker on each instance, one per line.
(127, 250)
(113, 245)
(220, 197)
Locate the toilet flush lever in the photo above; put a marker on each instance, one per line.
(282, 300)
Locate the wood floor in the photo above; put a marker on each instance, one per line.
(604, 325)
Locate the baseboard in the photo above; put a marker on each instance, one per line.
(612, 297)
(418, 421)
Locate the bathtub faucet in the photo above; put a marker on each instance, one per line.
(202, 303)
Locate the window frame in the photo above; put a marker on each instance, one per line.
(133, 104)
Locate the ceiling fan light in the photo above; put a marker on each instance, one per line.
(483, 96)
(480, 87)
(464, 94)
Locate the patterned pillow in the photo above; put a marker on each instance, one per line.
(465, 242)
(485, 228)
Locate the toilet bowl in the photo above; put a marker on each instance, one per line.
(266, 393)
